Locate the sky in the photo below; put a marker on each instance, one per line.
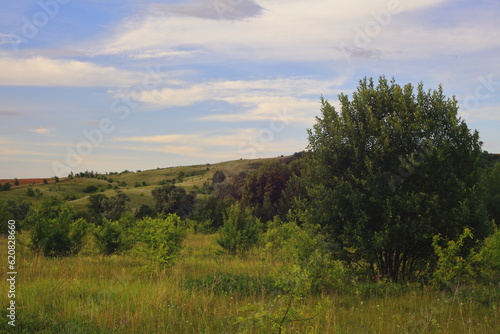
(134, 85)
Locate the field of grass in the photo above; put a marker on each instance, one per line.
(118, 294)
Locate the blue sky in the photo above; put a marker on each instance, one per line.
(114, 85)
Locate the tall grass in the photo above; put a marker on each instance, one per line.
(117, 294)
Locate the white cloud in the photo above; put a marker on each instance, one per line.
(42, 131)
(38, 71)
(284, 99)
(172, 97)
(281, 110)
(159, 53)
(229, 144)
(191, 151)
(217, 138)
(183, 138)
(284, 30)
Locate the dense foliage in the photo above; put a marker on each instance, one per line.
(389, 170)
(240, 231)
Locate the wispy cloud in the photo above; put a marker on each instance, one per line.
(159, 53)
(218, 138)
(43, 131)
(284, 109)
(39, 71)
(229, 144)
(260, 99)
(257, 94)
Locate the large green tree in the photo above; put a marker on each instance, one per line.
(389, 170)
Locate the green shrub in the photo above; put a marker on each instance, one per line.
(70, 197)
(77, 232)
(159, 240)
(108, 237)
(204, 226)
(489, 258)
(5, 216)
(453, 267)
(90, 189)
(30, 192)
(59, 236)
(144, 211)
(240, 231)
(305, 247)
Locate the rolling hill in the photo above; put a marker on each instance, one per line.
(137, 185)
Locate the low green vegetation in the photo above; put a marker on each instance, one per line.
(387, 223)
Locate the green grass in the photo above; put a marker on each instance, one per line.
(116, 294)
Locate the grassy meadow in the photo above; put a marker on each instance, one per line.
(121, 294)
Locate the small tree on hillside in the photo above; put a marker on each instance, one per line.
(30, 192)
(218, 177)
(174, 200)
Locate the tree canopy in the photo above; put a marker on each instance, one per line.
(389, 170)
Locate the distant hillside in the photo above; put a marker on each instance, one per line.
(137, 185)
